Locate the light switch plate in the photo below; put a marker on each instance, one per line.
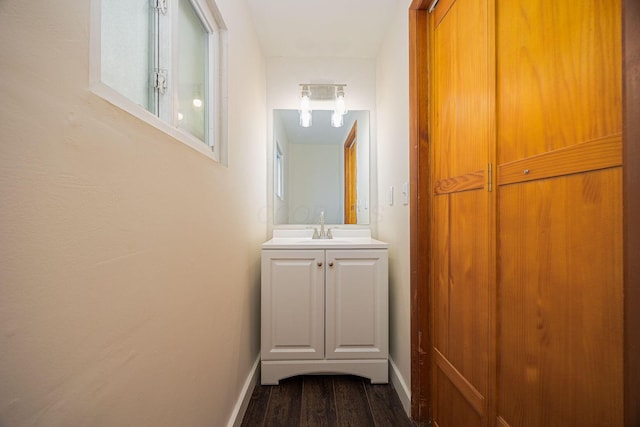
(391, 196)
(405, 193)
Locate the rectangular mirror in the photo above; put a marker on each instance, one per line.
(321, 168)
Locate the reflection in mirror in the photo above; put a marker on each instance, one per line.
(321, 168)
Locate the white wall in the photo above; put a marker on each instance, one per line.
(129, 263)
(285, 74)
(392, 73)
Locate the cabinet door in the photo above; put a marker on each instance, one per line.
(560, 336)
(357, 304)
(292, 305)
(462, 146)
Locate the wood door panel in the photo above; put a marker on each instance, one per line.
(559, 78)
(440, 274)
(462, 96)
(441, 11)
(560, 301)
(468, 286)
(466, 389)
(461, 294)
(450, 407)
(461, 61)
(350, 150)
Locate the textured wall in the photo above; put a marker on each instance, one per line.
(129, 263)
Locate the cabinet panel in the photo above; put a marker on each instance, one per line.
(357, 304)
(292, 305)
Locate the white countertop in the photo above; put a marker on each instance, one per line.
(342, 239)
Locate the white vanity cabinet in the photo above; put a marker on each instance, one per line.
(325, 310)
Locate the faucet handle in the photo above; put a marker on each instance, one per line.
(315, 233)
(329, 234)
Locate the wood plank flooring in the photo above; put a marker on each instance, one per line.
(312, 401)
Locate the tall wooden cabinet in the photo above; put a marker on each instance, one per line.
(525, 208)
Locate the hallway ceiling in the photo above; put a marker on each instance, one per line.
(327, 28)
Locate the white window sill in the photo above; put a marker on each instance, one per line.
(113, 97)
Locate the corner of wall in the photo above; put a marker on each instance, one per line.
(242, 403)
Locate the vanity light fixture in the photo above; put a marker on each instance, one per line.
(322, 92)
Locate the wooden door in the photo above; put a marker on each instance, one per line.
(292, 308)
(357, 316)
(351, 176)
(461, 234)
(560, 213)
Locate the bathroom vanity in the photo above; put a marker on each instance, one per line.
(324, 305)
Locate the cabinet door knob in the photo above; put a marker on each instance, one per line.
(319, 263)
(331, 264)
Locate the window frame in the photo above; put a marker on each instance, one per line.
(166, 120)
(279, 172)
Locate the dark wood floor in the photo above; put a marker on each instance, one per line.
(325, 401)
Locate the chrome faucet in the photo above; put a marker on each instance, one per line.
(323, 234)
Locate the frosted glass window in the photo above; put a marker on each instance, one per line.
(126, 48)
(168, 57)
(193, 91)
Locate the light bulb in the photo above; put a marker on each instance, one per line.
(340, 104)
(197, 102)
(305, 119)
(305, 103)
(336, 119)
(180, 116)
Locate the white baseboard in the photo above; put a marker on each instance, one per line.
(245, 395)
(404, 392)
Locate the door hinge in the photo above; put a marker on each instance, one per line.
(433, 5)
(490, 177)
(160, 81)
(161, 6)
